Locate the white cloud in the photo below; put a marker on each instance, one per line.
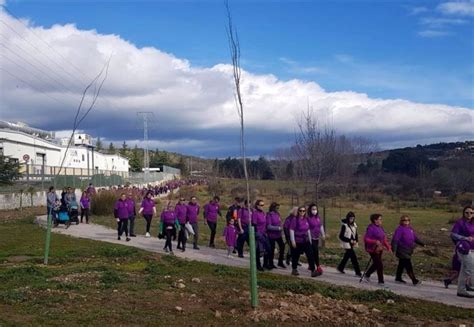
(194, 107)
(436, 22)
(461, 8)
(417, 10)
(433, 33)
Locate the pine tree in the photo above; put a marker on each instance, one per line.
(9, 170)
(98, 145)
(136, 160)
(111, 149)
(123, 151)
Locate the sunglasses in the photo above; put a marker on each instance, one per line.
(405, 219)
(302, 210)
(469, 212)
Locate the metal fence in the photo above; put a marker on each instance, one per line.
(39, 177)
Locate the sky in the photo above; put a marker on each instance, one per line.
(398, 72)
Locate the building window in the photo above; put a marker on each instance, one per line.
(83, 159)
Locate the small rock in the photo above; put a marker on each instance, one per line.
(196, 280)
(445, 230)
(374, 310)
(193, 295)
(390, 301)
(167, 277)
(180, 285)
(233, 311)
(284, 304)
(180, 281)
(289, 293)
(115, 291)
(179, 309)
(218, 314)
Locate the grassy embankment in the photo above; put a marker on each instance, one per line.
(94, 283)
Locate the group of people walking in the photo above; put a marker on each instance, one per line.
(300, 233)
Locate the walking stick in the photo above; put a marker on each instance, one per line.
(366, 268)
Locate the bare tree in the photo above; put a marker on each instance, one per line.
(234, 47)
(315, 148)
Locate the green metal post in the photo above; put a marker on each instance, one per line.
(253, 269)
(48, 238)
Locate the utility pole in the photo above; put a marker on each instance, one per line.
(146, 157)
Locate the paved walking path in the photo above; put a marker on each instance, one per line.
(429, 290)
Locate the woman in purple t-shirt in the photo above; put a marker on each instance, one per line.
(403, 243)
(148, 209)
(168, 219)
(300, 238)
(274, 229)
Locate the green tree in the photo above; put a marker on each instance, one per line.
(111, 149)
(124, 149)
(9, 170)
(182, 166)
(136, 160)
(98, 145)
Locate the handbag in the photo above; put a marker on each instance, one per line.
(189, 228)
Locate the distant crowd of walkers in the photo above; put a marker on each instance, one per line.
(300, 233)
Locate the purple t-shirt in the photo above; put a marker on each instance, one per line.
(243, 215)
(192, 212)
(85, 202)
(273, 219)
(300, 226)
(180, 211)
(373, 232)
(259, 221)
(148, 205)
(211, 210)
(131, 207)
(121, 209)
(286, 224)
(315, 226)
(465, 228)
(230, 235)
(168, 217)
(404, 237)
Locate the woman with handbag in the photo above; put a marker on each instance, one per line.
(375, 241)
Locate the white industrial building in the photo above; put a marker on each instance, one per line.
(41, 153)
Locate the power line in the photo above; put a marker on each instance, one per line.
(49, 46)
(27, 72)
(39, 50)
(33, 87)
(6, 40)
(35, 67)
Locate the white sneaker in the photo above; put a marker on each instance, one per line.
(147, 235)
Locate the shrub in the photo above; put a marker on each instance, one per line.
(102, 203)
